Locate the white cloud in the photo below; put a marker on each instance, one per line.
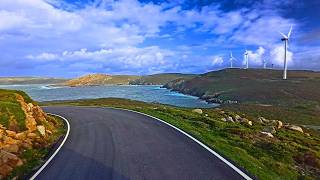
(217, 60)
(43, 57)
(256, 58)
(277, 56)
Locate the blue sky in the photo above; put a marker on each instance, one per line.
(74, 37)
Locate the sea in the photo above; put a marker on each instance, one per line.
(154, 94)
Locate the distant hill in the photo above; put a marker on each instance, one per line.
(30, 80)
(100, 79)
(260, 92)
(160, 79)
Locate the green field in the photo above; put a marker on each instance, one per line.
(160, 79)
(289, 155)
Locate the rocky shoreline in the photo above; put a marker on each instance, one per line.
(176, 86)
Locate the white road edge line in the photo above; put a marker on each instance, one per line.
(56, 151)
(244, 175)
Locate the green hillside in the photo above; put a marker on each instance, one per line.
(260, 91)
(160, 79)
(100, 79)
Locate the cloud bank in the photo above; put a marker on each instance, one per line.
(128, 36)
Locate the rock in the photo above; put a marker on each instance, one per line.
(237, 118)
(21, 136)
(294, 128)
(307, 134)
(11, 133)
(31, 135)
(263, 120)
(279, 124)
(199, 111)
(266, 134)
(229, 119)
(250, 123)
(31, 123)
(269, 129)
(222, 112)
(206, 115)
(5, 170)
(29, 107)
(42, 130)
(224, 119)
(12, 148)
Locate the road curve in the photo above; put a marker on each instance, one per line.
(116, 144)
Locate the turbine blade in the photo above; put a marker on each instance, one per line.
(289, 32)
(283, 35)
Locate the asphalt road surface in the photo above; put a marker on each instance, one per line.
(117, 144)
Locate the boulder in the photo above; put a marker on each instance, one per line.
(29, 107)
(31, 135)
(237, 118)
(294, 128)
(31, 123)
(11, 133)
(21, 136)
(224, 119)
(229, 119)
(12, 148)
(42, 130)
(263, 120)
(199, 111)
(266, 134)
(279, 124)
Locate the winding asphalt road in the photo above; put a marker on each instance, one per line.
(116, 144)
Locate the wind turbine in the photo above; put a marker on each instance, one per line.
(264, 63)
(285, 39)
(231, 60)
(246, 58)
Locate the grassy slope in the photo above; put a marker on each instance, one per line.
(160, 79)
(280, 158)
(29, 80)
(294, 100)
(10, 108)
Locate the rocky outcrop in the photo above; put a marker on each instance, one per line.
(13, 141)
(294, 128)
(199, 111)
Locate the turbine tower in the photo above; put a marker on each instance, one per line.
(285, 39)
(264, 63)
(231, 60)
(246, 58)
